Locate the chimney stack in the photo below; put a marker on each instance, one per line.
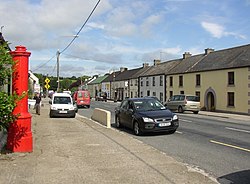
(144, 65)
(208, 50)
(122, 69)
(156, 62)
(187, 55)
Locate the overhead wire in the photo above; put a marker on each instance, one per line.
(39, 66)
(70, 43)
(77, 34)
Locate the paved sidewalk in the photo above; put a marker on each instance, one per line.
(78, 150)
(226, 115)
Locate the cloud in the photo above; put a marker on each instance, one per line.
(218, 31)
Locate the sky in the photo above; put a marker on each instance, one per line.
(120, 33)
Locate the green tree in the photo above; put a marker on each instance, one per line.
(65, 83)
(7, 102)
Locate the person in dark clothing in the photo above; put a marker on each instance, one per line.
(37, 104)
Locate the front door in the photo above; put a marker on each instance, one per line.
(210, 102)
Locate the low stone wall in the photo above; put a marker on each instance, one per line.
(102, 116)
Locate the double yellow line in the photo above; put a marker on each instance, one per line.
(229, 145)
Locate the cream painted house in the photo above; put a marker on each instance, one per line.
(221, 79)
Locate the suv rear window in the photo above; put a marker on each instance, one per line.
(193, 98)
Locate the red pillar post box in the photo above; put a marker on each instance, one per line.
(19, 133)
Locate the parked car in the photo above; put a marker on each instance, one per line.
(82, 98)
(145, 115)
(62, 106)
(183, 103)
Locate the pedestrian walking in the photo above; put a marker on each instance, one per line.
(37, 104)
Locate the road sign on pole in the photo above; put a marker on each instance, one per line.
(47, 86)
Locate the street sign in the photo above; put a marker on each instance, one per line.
(47, 86)
(47, 80)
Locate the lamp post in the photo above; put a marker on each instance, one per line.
(58, 78)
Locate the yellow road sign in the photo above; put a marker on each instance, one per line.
(47, 80)
(47, 86)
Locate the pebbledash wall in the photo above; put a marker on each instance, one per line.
(214, 88)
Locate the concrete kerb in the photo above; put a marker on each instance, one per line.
(102, 116)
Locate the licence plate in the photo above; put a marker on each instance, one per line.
(164, 124)
(62, 112)
(193, 107)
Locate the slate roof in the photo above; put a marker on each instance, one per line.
(140, 72)
(161, 68)
(225, 59)
(127, 74)
(111, 77)
(184, 65)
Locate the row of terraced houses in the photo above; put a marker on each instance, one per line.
(220, 78)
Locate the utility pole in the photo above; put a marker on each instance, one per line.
(58, 78)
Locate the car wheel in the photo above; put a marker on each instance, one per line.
(117, 122)
(88, 106)
(180, 109)
(195, 112)
(137, 130)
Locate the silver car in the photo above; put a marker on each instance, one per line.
(183, 103)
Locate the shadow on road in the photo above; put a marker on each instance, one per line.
(129, 131)
(242, 177)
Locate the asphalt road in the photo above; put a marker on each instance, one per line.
(219, 146)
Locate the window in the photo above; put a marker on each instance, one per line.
(230, 99)
(124, 104)
(136, 82)
(148, 93)
(180, 81)
(131, 82)
(141, 93)
(131, 94)
(141, 83)
(153, 83)
(147, 83)
(198, 80)
(161, 80)
(182, 92)
(230, 78)
(154, 93)
(171, 81)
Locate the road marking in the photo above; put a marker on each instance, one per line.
(239, 130)
(186, 120)
(229, 145)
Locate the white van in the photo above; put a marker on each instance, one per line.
(62, 106)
